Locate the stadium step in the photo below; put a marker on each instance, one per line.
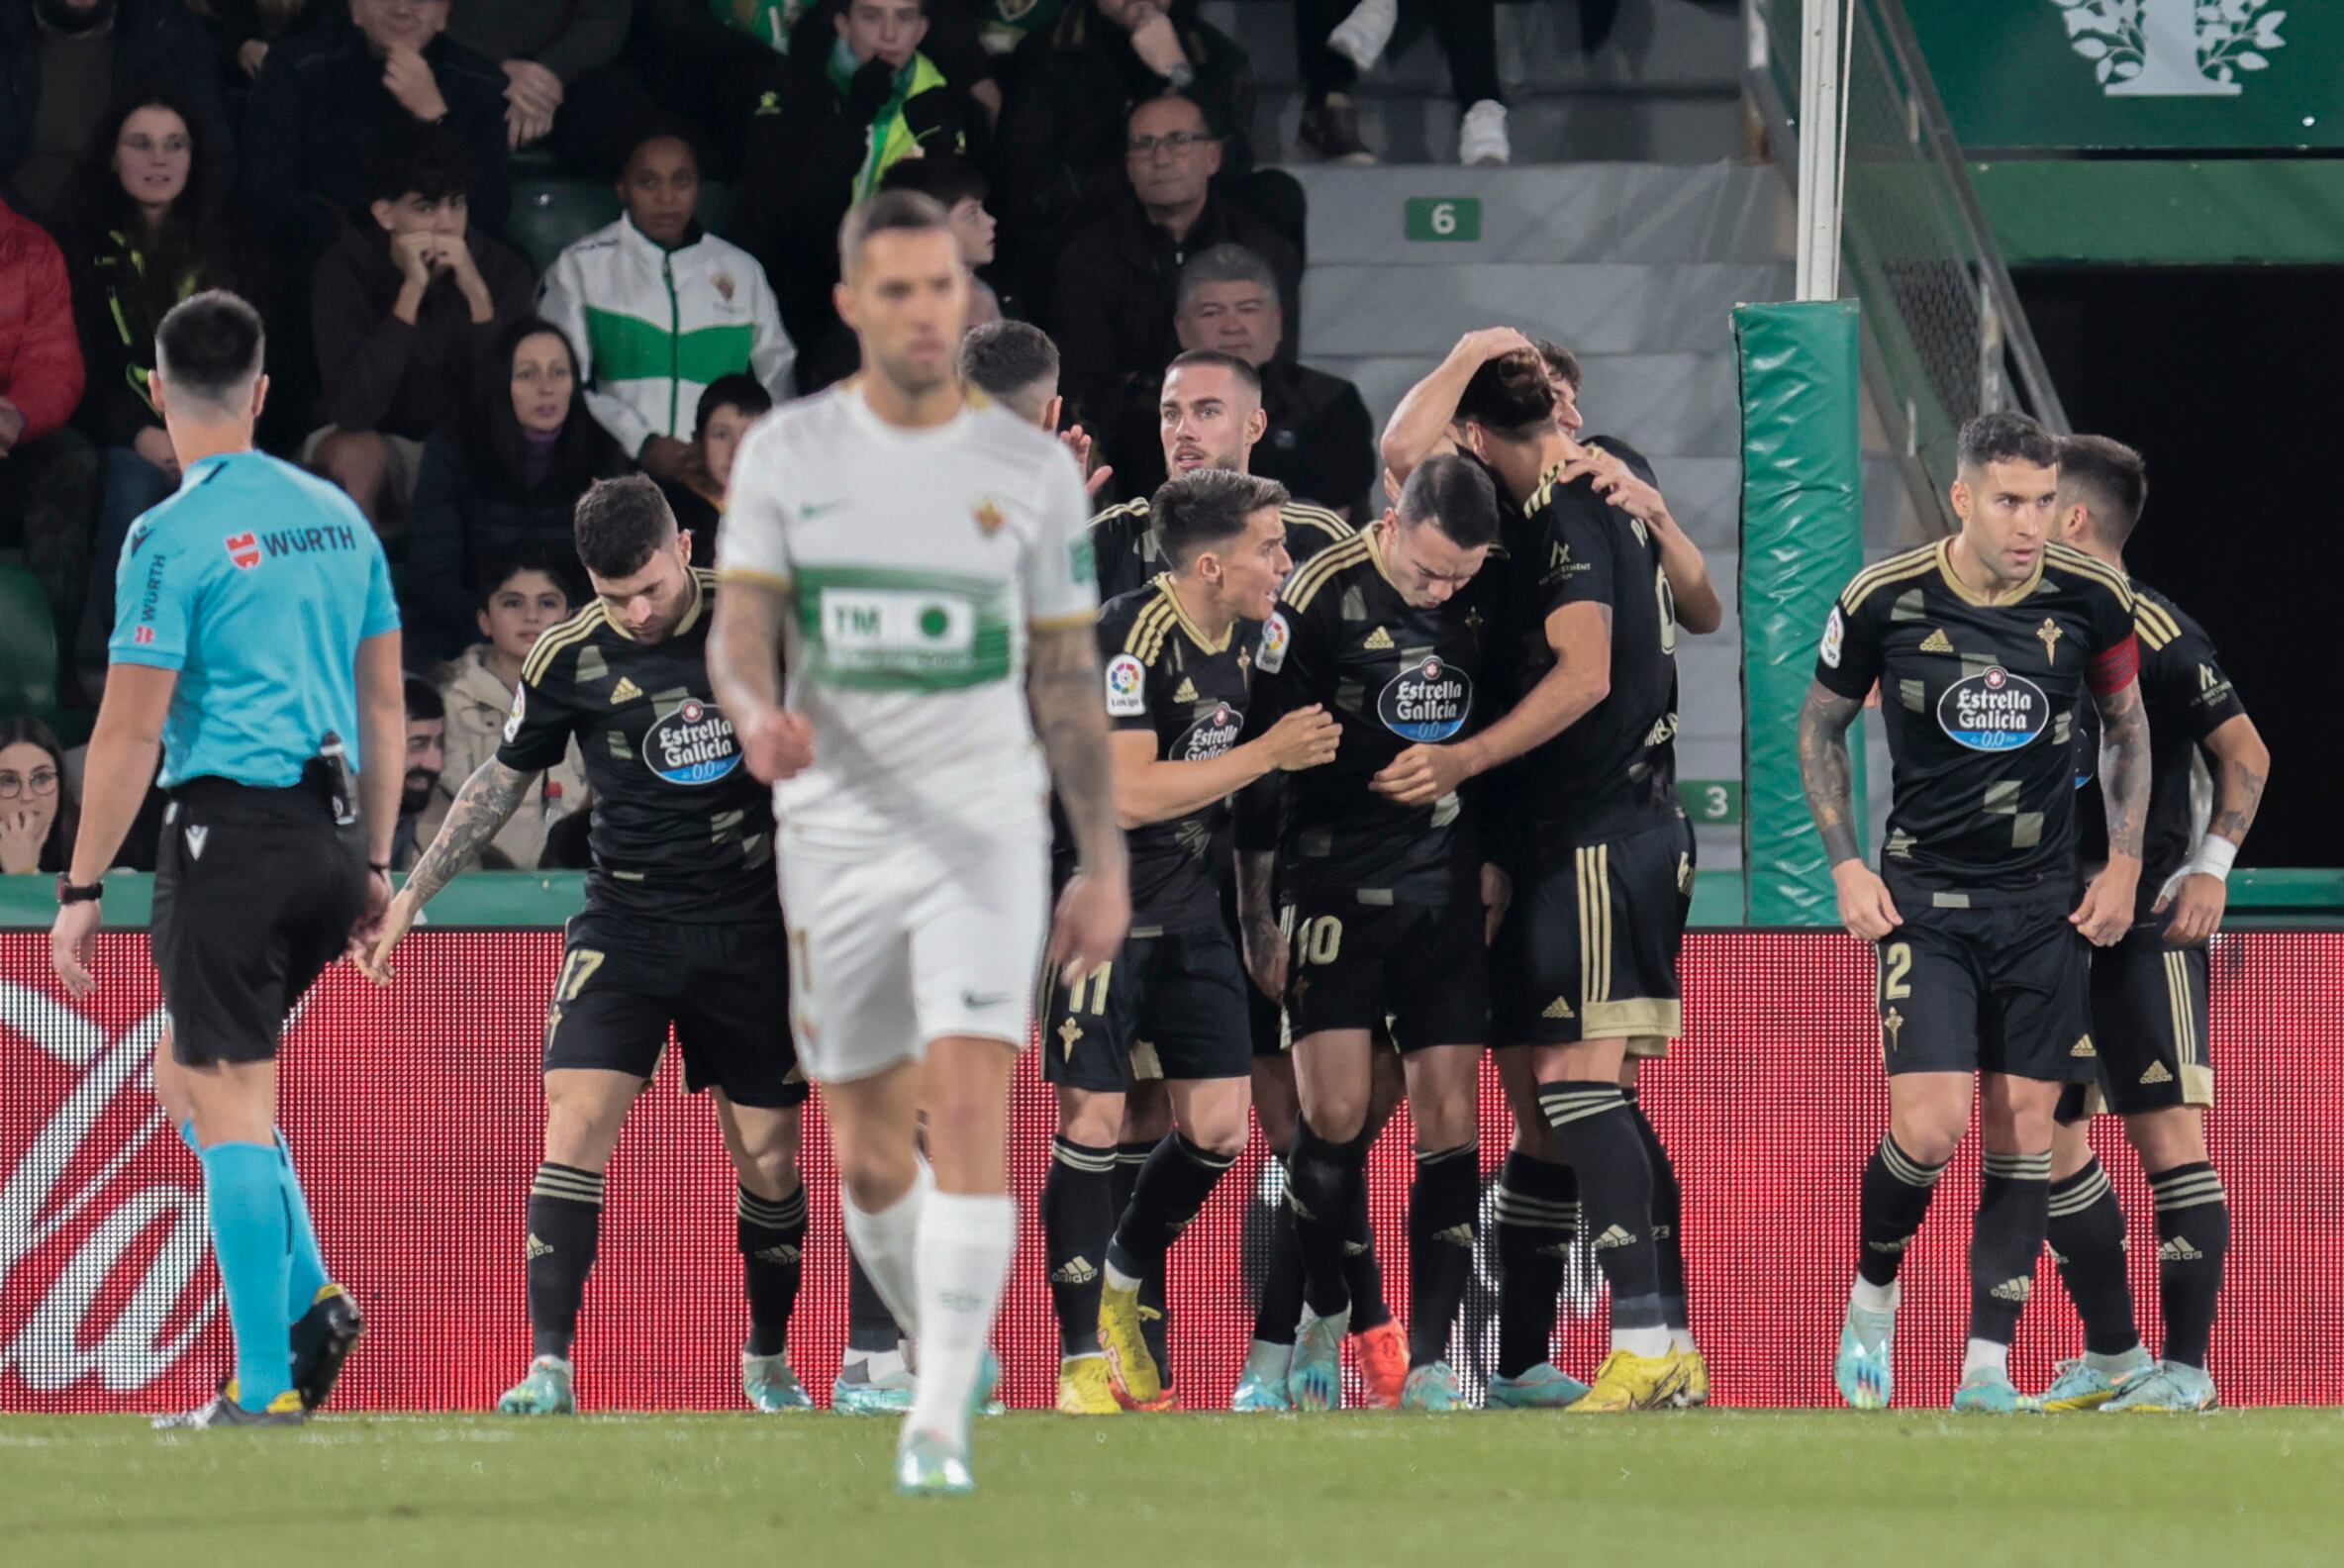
(1591, 307)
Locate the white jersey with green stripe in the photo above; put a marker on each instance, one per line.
(915, 562)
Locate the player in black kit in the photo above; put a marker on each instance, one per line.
(1171, 1005)
(1986, 649)
(2149, 1002)
(681, 928)
(1384, 915)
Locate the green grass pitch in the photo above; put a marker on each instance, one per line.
(1905, 1490)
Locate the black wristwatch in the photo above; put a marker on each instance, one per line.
(69, 892)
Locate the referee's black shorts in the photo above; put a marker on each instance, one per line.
(256, 892)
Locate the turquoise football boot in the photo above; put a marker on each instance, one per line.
(1544, 1387)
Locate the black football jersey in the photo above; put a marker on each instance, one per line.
(1981, 703)
(2187, 698)
(1165, 678)
(1393, 677)
(1615, 772)
(1124, 543)
(681, 830)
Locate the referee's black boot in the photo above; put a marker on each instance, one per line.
(323, 1339)
(223, 1411)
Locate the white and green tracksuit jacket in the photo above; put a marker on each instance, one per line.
(654, 326)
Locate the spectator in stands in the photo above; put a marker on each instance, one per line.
(427, 759)
(658, 308)
(146, 227)
(835, 123)
(329, 97)
(1063, 144)
(1321, 442)
(564, 76)
(1337, 40)
(523, 593)
(1118, 280)
(728, 407)
(48, 474)
(38, 815)
(960, 188)
(245, 31)
(405, 305)
(508, 474)
(62, 61)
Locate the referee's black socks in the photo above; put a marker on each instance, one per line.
(1599, 1133)
(772, 1238)
(2013, 1212)
(564, 1220)
(1442, 1207)
(2086, 1238)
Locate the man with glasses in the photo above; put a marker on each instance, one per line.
(1114, 305)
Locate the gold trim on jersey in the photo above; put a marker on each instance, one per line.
(1375, 554)
(1150, 627)
(1943, 550)
(2084, 564)
(2155, 623)
(576, 629)
(1315, 572)
(1896, 568)
(1321, 518)
(1195, 634)
(1121, 509)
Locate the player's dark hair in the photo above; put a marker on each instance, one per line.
(209, 348)
(423, 699)
(1561, 362)
(425, 161)
(1225, 264)
(56, 851)
(621, 525)
(1007, 359)
(665, 129)
(2007, 436)
(508, 562)
(1247, 375)
(889, 212)
(2112, 475)
(1454, 495)
(951, 180)
(739, 390)
(1510, 397)
(1198, 511)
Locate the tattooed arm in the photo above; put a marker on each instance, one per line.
(2198, 894)
(478, 813)
(2105, 914)
(1257, 922)
(1827, 773)
(1062, 692)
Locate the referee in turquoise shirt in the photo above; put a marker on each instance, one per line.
(256, 648)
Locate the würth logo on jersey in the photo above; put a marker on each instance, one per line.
(245, 550)
(101, 1214)
(1993, 710)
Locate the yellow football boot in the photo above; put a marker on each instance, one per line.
(1630, 1382)
(1137, 1385)
(1084, 1388)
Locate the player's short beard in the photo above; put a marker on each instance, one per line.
(416, 792)
(913, 383)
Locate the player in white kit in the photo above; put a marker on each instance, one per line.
(917, 559)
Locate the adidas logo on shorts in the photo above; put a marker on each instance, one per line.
(2179, 1250)
(2013, 1290)
(1617, 1237)
(1074, 1271)
(537, 1248)
(1558, 1009)
(1455, 1235)
(2081, 1047)
(1379, 640)
(2156, 1074)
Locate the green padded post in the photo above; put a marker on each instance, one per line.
(1802, 538)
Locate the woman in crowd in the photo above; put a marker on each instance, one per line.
(148, 226)
(511, 472)
(728, 408)
(523, 594)
(37, 817)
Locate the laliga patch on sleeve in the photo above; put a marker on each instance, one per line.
(1834, 634)
(520, 707)
(1275, 636)
(1125, 678)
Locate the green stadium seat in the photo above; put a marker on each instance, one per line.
(551, 212)
(28, 646)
